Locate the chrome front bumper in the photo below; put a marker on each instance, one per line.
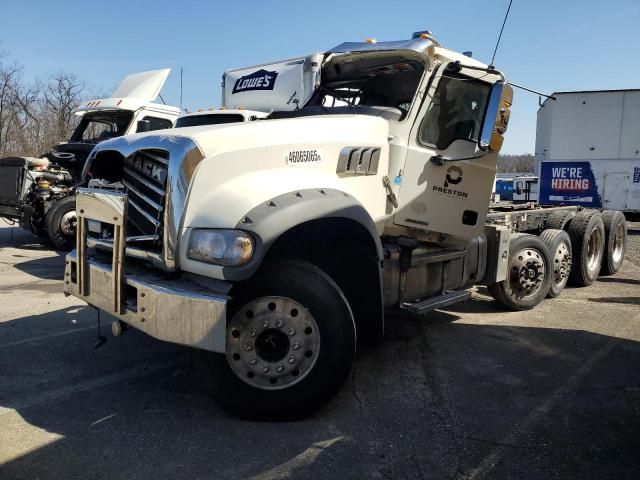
(177, 311)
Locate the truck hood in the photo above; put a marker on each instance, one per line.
(304, 132)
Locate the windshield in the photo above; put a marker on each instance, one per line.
(208, 119)
(372, 84)
(96, 127)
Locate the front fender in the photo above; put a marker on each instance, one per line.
(270, 219)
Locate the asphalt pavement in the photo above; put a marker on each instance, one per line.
(469, 392)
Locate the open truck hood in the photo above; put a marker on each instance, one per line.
(134, 91)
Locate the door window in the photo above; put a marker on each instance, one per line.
(456, 111)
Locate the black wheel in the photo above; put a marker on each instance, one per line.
(60, 223)
(559, 219)
(615, 241)
(290, 345)
(559, 245)
(587, 240)
(529, 274)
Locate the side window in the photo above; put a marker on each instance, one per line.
(158, 123)
(455, 113)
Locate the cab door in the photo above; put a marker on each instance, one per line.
(440, 191)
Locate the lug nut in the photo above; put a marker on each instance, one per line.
(291, 359)
(279, 323)
(291, 332)
(264, 323)
(253, 360)
(265, 369)
(279, 369)
(295, 345)
(248, 347)
(252, 333)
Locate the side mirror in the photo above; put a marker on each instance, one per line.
(143, 126)
(489, 121)
(496, 118)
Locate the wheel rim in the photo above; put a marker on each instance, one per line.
(594, 251)
(272, 343)
(527, 272)
(561, 265)
(68, 223)
(618, 244)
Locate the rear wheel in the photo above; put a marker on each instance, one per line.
(559, 246)
(528, 276)
(587, 240)
(559, 219)
(290, 345)
(61, 223)
(615, 240)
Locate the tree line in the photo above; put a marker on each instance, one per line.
(36, 115)
(515, 163)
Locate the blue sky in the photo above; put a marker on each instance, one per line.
(547, 45)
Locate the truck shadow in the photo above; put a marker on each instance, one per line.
(434, 399)
(47, 268)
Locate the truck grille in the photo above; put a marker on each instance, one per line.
(12, 179)
(145, 179)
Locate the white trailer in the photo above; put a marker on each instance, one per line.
(588, 149)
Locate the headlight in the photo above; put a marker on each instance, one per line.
(220, 247)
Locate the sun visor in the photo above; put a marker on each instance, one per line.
(283, 85)
(144, 85)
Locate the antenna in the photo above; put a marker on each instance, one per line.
(506, 15)
(181, 88)
(162, 99)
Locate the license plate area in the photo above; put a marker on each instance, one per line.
(102, 207)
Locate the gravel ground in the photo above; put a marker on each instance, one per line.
(469, 392)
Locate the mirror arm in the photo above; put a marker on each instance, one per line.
(440, 160)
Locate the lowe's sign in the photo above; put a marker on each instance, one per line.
(568, 183)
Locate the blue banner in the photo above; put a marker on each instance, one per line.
(568, 183)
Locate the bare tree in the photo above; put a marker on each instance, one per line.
(62, 95)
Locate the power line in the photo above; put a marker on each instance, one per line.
(501, 30)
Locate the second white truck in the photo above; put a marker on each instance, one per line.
(270, 246)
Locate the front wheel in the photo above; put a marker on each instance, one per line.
(60, 223)
(529, 274)
(290, 345)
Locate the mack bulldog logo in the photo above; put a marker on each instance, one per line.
(453, 177)
(260, 80)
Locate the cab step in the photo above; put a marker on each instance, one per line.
(424, 306)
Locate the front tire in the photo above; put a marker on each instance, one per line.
(290, 345)
(528, 276)
(60, 223)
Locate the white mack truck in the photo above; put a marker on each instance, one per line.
(270, 246)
